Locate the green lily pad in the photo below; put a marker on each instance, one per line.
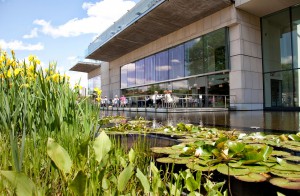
(252, 177)
(284, 183)
(257, 168)
(280, 153)
(165, 150)
(285, 174)
(195, 166)
(293, 159)
(224, 169)
(172, 160)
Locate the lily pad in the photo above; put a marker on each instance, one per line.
(252, 177)
(285, 174)
(257, 168)
(284, 183)
(295, 159)
(172, 160)
(165, 150)
(197, 167)
(280, 153)
(224, 169)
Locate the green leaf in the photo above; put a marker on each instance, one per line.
(78, 185)
(284, 183)
(191, 184)
(172, 160)
(143, 180)
(124, 177)
(224, 169)
(235, 147)
(59, 156)
(19, 181)
(265, 152)
(252, 177)
(131, 155)
(102, 146)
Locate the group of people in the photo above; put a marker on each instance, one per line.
(116, 101)
(156, 100)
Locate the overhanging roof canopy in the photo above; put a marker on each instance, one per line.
(164, 19)
(86, 67)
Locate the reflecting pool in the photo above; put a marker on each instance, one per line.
(244, 120)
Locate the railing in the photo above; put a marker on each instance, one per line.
(176, 101)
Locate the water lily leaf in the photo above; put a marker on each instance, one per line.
(143, 179)
(295, 159)
(285, 174)
(235, 147)
(294, 137)
(280, 153)
(220, 142)
(224, 169)
(172, 160)
(257, 168)
(78, 185)
(265, 152)
(59, 156)
(20, 181)
(165, 150)
(102, 146)
(284, 183)
(197, 167)
(252, 177)
(124, 177)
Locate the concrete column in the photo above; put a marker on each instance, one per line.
(246, 78)
(105, 79)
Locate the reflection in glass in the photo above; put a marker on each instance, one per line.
(150, 69)
(176, 56)
(279, 89)
(296, 52)
(194, 57)
(131, 74)
(215, 53)
(277, 50)
(140, 72)
(124, 76)
(162, 66)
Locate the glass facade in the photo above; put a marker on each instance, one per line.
(94, 82)
(281, 52)
(186, 68)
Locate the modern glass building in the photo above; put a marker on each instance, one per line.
(247, 50)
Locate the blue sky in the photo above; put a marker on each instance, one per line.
(57, 30)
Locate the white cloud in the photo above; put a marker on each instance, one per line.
(33, 34)
(100, 16)
(19, 45)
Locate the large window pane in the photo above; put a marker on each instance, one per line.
(176, 56)
(124, 76)
(296, 36)
(277, 49)
(194, 57)
(150, 69)
(140, 72)
(215, 51)
(131, 74)
(162, 66)
(279, 89)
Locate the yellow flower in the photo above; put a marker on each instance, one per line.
(55, 77)
(77, 86)
(8, 73)
(17, 71)
(31, 58)
(24, 85)
(98, 99)
(98, 91)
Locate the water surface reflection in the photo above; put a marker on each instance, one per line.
(245, 120)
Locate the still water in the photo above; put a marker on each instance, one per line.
(277, 122)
